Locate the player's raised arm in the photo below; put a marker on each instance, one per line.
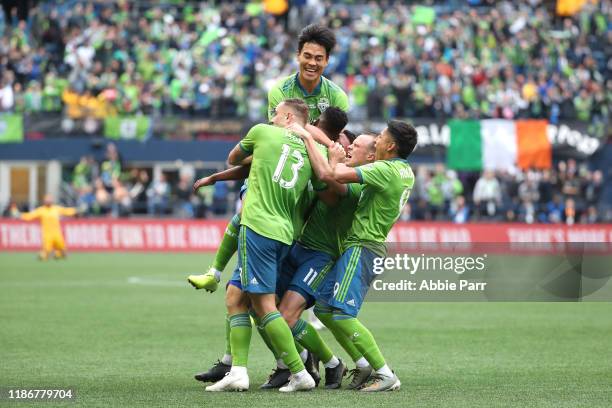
(32, 215)
(68, 211)
(319, 136)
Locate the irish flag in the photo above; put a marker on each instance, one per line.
(498, 144)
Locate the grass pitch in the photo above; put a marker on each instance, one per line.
(126, 330)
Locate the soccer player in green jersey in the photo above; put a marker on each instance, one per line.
(315, 44)
(386, 186)
(279, 176)
(316, 251)
(331, 122)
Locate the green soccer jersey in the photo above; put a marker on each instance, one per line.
(387, 185)
(325, 94)
(327, 226)
(279, 176)
(306, 204)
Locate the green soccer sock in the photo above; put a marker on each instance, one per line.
(361, 338)
(324, 313)
(229, 244)
(264, 335)
(282, 340)
(228, 345)
(240, 338)
(307, 336)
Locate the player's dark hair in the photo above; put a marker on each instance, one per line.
(332, 121)
(404, 135)
(350, 135)
(299, 108)
(318, 34)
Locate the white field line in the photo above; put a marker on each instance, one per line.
(132, 280)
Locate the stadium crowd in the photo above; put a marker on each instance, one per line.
(567, 194)
(217, 59)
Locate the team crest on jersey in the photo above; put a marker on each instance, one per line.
(323, 104)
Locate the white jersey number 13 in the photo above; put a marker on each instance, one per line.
(295, 168)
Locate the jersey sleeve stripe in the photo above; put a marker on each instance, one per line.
(244, 149)
(359, 175)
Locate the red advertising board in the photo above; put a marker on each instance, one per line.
(190, 235)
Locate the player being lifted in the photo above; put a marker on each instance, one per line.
(50, 230)
(315, 44)
(386, 186)
(279, 176)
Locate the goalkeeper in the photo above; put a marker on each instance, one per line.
(51, 232)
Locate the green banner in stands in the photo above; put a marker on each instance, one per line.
(11, 128)
(423, 15)
(127, 127)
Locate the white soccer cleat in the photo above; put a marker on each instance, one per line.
(302, 382)
(379, 382)
(233, 381)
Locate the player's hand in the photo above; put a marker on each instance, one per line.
(204, 181)
(336, 153)
(299, 130)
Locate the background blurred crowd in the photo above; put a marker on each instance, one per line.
(217, 59)
(569, 193)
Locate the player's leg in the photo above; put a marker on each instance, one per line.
(291, 308)
(282, 340)
(311, 268)
(280, 374)
(325, 293)
(223, 365)
(261, 258)
(47, 247)
(237, 379)
(59, 245)
(228, 246)
(349, 293)
(362, 370)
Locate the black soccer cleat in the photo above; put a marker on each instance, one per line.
(312, 366)
(216, 372)
(333, 376)
(278, 378)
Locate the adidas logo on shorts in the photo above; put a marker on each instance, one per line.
(351, 302)
(254, 281)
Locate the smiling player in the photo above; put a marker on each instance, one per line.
(315, 44)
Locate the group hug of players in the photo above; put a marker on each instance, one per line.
(317, 207)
